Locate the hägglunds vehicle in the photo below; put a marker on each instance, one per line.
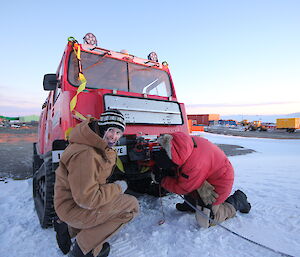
(89, 80)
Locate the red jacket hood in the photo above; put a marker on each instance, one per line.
(198, 162)
(179, 147)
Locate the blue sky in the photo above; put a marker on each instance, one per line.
(226, 57)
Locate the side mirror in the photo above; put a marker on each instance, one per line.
(49, 82)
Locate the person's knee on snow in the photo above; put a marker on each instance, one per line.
(83, 198)
(201, 167)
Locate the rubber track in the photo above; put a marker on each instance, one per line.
(45, 207)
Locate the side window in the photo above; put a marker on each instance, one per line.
(56, 94)
(58, 86)
(47, 108)
(45, 105)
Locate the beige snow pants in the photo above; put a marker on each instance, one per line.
(107, 220)
(223, 211)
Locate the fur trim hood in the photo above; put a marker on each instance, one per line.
(82, 134)
(179, 146)
(165, 142)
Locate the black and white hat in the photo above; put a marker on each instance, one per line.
(112, 118)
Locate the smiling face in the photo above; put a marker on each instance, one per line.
(112, 135)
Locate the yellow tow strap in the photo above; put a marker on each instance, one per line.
(67, 133)
(120, 164)
(81, 88)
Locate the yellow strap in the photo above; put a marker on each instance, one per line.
(144, 169)
(78, 51)
(120, 164)
(79, 115)
(121, 167)
(67, 133)
(79, 90)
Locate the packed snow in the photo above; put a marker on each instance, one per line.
(270, 177)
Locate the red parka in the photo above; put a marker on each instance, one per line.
(199, 160)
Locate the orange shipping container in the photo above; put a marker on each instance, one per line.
(293, 123)
(190, 124)
(193, 127)
(197, 128)
(203, 118)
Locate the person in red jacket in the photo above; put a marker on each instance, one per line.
(196, 168)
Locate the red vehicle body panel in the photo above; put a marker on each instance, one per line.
(56, 117)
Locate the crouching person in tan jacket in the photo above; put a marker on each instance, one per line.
(87, 206)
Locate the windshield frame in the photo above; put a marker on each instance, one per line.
(129, 87)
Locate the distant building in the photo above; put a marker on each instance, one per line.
(203, 119)
(29, 118)
(9, 118)
(228, 123)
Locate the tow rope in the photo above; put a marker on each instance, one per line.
(232, 232)
(161, 221)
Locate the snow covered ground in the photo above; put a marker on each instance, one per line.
(270, 177)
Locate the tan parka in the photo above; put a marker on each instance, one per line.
(81, 177)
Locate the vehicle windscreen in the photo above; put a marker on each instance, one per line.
(108, 73)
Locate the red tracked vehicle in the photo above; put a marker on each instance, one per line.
(89, 80)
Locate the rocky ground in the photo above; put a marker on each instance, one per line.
(16, 147)
(16, 152)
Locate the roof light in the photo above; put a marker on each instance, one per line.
(124, 51)
(153, 57)
(90, 39)
(164, 63)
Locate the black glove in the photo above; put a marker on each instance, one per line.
(158, 174)
(162, 160)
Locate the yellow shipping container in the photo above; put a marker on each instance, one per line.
(293, 123)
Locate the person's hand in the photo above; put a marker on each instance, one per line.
(162, 160)
(207, 193)
(156, 174)
(122, 184)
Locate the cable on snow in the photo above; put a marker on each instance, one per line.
(232, 232)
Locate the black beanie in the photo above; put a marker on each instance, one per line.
(111, 118)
